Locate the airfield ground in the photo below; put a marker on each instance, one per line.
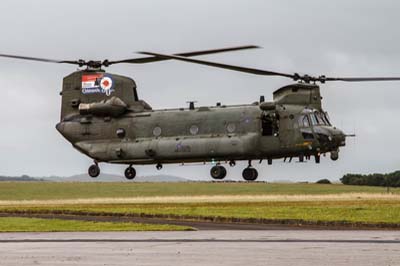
(257, 203)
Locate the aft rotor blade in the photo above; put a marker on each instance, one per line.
(188, 54)
(220, 65)
(39, 59)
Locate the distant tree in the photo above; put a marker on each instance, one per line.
(323, 181)
(383, 180)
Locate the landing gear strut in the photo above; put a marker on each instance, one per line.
(317, 158)
(94, 170)
(130, 173)
(249, 173)
(218, 172)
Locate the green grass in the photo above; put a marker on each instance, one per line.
(16, 224)
(360, 210)
(367, 211)
(50, 190)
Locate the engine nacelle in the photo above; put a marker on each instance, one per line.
(113, 107)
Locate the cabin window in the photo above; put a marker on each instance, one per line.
(231, 128)
(269, 125)
(157, 131)
(194, 130)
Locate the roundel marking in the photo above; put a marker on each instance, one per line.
(106, 84)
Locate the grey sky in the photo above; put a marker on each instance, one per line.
(342, 37)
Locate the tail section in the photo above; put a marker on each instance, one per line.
(86, 87)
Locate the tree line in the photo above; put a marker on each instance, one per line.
(382, 180)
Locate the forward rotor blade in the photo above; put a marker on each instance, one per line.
(39, 59)
(219, 65)
(188, 54)
(363, 79)
(296, 77)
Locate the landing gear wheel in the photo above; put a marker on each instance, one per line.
(159, 166)
(94, 170)
(130, 173)
(334, 155)
(218, 172)
(250, 174)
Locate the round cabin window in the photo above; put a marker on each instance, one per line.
(157, 131)
(194, 130)
(121, 133)
(231, 127)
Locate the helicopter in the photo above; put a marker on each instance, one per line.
(103, 118)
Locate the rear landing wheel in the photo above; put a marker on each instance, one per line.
(218, 172)
(250, 174)
(130, 173)
(94, 170)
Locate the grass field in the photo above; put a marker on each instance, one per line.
(51, 190)
(302, 202)
(363, 211)
(16, 224)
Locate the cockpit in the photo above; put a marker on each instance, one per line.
(314, 118)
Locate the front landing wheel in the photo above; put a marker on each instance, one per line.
(94, 170)
(130, 173)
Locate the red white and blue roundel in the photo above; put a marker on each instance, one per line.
(106, 84)
(97, 83)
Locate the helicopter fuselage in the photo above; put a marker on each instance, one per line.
(204, 134)
(102, 117)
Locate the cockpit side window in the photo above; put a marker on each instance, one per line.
(314, 120)
(326, 116)
(320, 118)
(304, 121)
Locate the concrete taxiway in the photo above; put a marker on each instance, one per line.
(276, 247)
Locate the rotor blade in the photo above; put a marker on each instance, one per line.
(188, 54)
(225, 66)
(363, 79)
(39, 59)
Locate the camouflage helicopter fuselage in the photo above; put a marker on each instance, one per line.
(114, 126)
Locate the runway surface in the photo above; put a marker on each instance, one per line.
(276, 247)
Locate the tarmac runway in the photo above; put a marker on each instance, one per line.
(219, 247)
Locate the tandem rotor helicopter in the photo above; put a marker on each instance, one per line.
(103, 117)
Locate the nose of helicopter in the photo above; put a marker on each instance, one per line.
(331, 137)
(339, 138)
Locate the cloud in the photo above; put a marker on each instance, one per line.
(342, 38)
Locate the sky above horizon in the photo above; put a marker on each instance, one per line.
(335, 38)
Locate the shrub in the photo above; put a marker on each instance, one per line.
(324, 181)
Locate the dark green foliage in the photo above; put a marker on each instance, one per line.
(323, 181)
(382, 180)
